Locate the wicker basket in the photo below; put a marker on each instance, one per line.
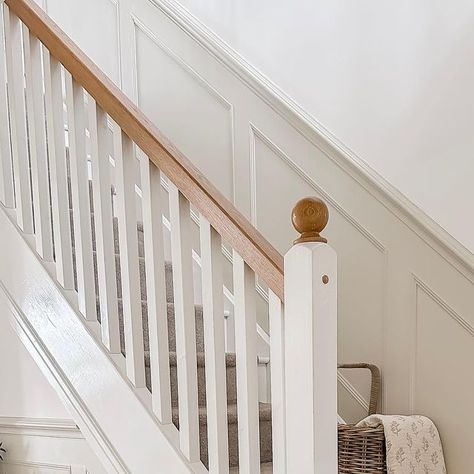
(362, 450)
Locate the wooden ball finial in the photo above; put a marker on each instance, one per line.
(310, 216)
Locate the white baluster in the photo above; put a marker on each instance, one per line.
(125, 169)
(214, 346)
(37, 145)
(18, 128)
(104, 232)
(181, 253)
(76, 117)
(156, 289)
(58, 171)
(277, 375)
(246, 364)
(311, 345)
(7, 196)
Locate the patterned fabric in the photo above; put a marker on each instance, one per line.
(413, 444)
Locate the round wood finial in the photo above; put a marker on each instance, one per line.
(310, 216)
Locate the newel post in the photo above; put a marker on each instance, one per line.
(311, 344)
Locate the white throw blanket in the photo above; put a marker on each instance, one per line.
(413, 444)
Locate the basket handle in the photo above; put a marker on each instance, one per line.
(375, 383)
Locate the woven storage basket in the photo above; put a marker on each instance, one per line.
(362, 450)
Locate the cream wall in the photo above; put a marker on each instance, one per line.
(25, 391)
(35, 428)
(391, 80)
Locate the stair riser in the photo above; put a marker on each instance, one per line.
(141, 260)
(199, 329)
(171, 328)
(265, 443)
(231, 380)
(265, 427)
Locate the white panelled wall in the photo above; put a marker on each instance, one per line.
(391, 80)
(405, 287)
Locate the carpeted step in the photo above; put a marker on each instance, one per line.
(141, 262)
(231, 378)
(265, 425)
(171, 326)
(265, 468)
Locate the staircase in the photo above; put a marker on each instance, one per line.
(112, 320)
(265, 428)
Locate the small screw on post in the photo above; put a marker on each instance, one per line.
(325, 279)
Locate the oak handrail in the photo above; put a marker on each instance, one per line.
(235, 229)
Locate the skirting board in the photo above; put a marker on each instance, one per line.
(48, 427)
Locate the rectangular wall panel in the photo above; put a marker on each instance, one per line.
(187, 110)
(361, 265)
(442, 374)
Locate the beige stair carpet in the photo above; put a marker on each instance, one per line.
(232, 418)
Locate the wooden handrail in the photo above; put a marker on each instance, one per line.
(234, 228)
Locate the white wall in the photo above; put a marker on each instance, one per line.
(35, 428)
(25, 391)
(392, 80)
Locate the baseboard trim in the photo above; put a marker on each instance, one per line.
(41, 467)
(292, 112)
(46, 427)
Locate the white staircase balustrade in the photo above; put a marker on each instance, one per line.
(177, 370)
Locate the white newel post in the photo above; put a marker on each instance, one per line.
(311, 345)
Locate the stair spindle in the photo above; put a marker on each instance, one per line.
(246, 363)
(58, 170)
(129, 267)
(104, 231)
(181, 254)
(18, 126)
(277, 374)
(7, 196)
(37, 145)
(214, 347)
(76, 120)
(152, 209)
